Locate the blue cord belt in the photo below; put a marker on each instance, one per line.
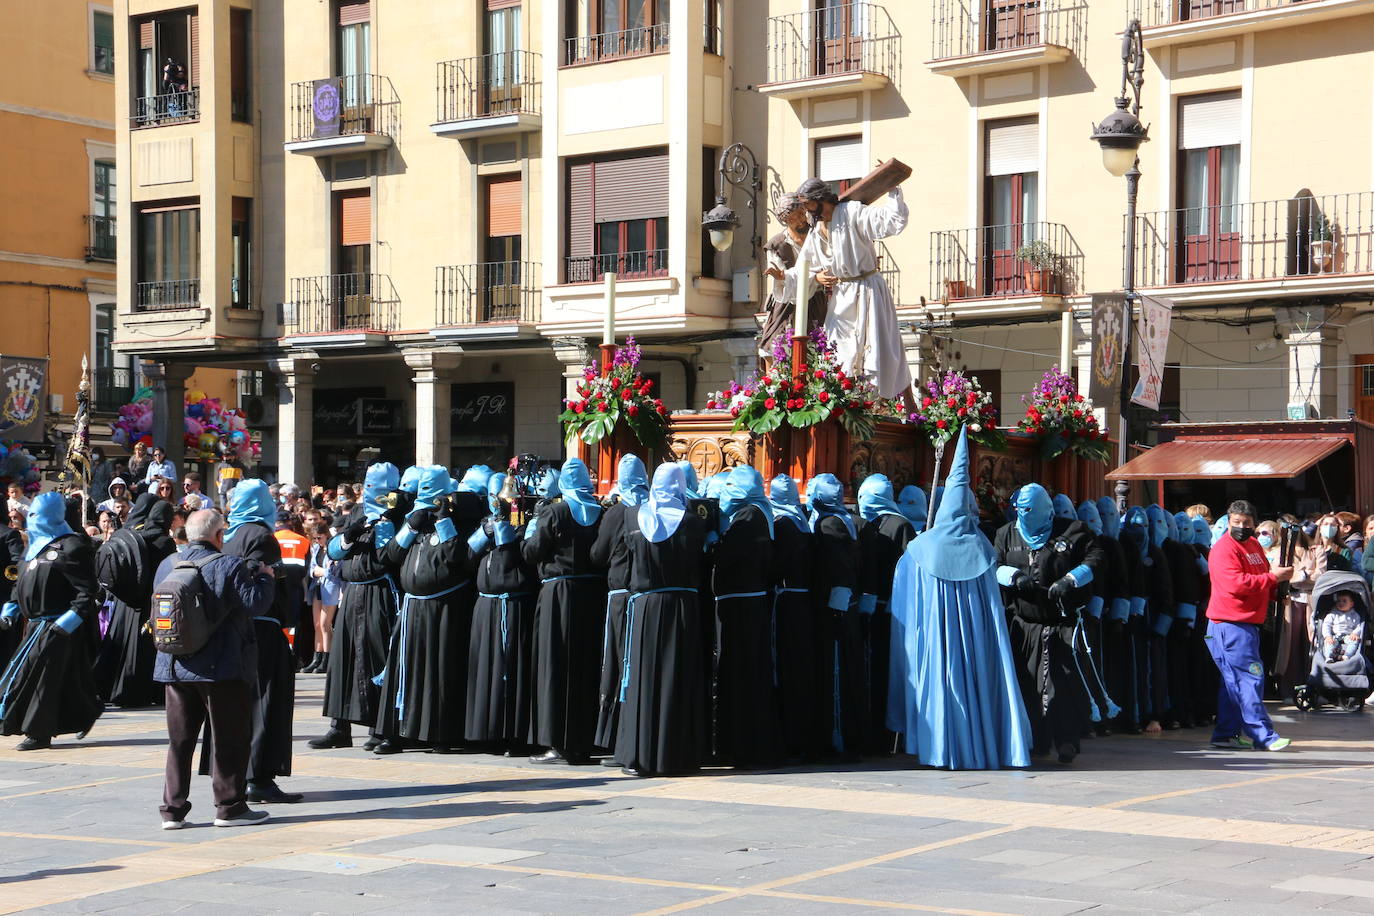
(403, 640)
(630, 627)
(504, 598)
(12, 670)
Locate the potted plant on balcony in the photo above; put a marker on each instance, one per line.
(1323, 243)
(1041, 266)
(1062, 420)
(623, 393)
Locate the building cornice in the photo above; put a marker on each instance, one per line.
(43, 260)
(56, 116)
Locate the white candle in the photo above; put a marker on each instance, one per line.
(803, 297)
(608, 325)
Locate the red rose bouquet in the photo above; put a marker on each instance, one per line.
(1062, 419)
(622, 394)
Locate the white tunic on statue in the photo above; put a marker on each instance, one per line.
(862, 321)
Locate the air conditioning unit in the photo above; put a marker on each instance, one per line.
(258, 411)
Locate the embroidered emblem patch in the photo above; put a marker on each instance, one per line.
(1256, 669)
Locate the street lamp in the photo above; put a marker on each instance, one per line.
(1120, 135)
(739, 167)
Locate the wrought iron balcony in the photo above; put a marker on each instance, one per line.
(626, 265)
(342, 302)
(1294, 238)
(114, 387)
(839, 48)
(168, 108)
(343, 114)
(161, 295)
(969, 36)
(590, 49)
(488, 94)
(101, 232)
(493, 292)
(997, 262)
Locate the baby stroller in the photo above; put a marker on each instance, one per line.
(1341, 667)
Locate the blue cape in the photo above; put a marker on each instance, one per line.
(782, 493)
(743, 487)
(1063, 507)
(875, 498)
(632, 480)
(410, 480)
(475, 480)
(250, 501)
(575, 483)
(1034, 515)
(381, 479)
(689, 475)
(662, 512)
(1088, 515)
(825, 496)
(47, 521)
(1111, 519)
(435, 483)
(954, 549)
(912, 502)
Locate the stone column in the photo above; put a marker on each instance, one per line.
(1313, 334)
(744, 357)
(295, 419)
(574, 354)
(433, 404)
(168, 381)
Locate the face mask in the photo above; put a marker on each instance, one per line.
(1328, 531)
(1242, 534)
(1266, 540)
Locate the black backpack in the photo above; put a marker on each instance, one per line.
(180, 618)
(122, 567)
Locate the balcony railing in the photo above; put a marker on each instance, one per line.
(627, 265)
(169, 108)
(101, 231)
(853, 38)
(489, 86)
(497, 291)
(344, 106)
(589, 49)
(962, 28)
(1168, 12)
(158, 295)
(991, 262)
(342, 302)
(114, 387)
(1263, 240)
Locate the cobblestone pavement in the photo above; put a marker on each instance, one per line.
(1137, 824)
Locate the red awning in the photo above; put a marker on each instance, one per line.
(1196, 459)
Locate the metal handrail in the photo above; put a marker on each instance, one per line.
(342, 302)
(494, 291)
(627, 265)
(344, 106)
(159, 295)
(1169, 12)
(488, 86)
(587, 49)
(853, 38)
(114, 387)
(168, 108)
(101, 237)
(986, 262)
(963, 29)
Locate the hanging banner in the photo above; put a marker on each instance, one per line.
(1151, 349)
(24, 390)
(326, 107)
(1105, 384)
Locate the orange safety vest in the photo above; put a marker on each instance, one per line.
(295, 548)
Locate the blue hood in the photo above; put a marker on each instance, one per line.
(1202, 535)
(912, 502)
(1219, 527)
(689, 476)
(1111, 520)
(494, 484)
(1034, 515)
(954, 549)
(662, 512)
(575, 483)
(410, 480)
(1135, 530)
(1158, 524)
(786, 500)
(1088, 515)
(475, 480)
(1063, 507)
(1183, 528)
(47, 522)
(743, 486)
(875, 498)
(250, 501)
(381, 479)
(825, 496)
(547, 485)
(714, 486)
(435, 483)
(632, 480)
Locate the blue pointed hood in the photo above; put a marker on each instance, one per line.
(714, 486)
(250, 501)
(743, 486)
(1219, 527)
(547, 486)
(689, 476)
(1063, 507)
(380, 480)
(1034, 515)
(1158, 524)
(1088, 515)
(632, 480)
(1111, 519)
(875, 498)
(1202, 535)
(1135, 530)
(435, 483)
(410, 480)
(475, 480)
(47, 521)
(825, 496)
(912, 503)
(662, 512)
(954, 548)
(786, 500)
(575, 483)
(1183, 528)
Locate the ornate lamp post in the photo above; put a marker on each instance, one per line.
(739, 167)
(1120, 135)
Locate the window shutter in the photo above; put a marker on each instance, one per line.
(840, 159)
(581, 190)
(1209, 120)
(353, 11)
(145, 35)
(632, 188)
(355, 218)
(504, 209)
(1013, 147)
(194, 40)
(104, 30)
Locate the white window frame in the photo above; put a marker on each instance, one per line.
(91, 10)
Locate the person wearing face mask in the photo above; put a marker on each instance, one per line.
(839, 642)
(1204, 673)
(1351, 535)
(884, 533)
(1242, 585)
(1121, 575)
(1108, 589)
(1152, 604)
(793, 627)
(1186, 574)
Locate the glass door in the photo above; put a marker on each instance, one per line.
(1209, 220)
(1012, 202)
(838, 37)
(500, 87)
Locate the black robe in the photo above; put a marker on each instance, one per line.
(1185, 575)
(747, 722)
(881, 545)
(11, 561)
(125, 664)
(794, 640)
(1107, 636)
(610, 551)
(663, 715)
(500, 679)
(569, 629)
(843, 714)
(48, 689)
(362, 632)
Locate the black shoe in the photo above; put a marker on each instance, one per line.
(332, 738)
(32, 743)
(387, 746)
(322, 667)
(634, 771)
(1067, 752)
(269, 792)
(609, 762)
(371, 743)
(550, 756)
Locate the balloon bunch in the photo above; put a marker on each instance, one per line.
(17, 465)
(211, 429)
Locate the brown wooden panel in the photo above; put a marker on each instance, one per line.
(355, 218)
(505, 199)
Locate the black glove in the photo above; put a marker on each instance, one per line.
(355, 529)
(445, 508)
(397, 505)
(1020, 581)
(421, 520)
(6, 623)
(1062, 588)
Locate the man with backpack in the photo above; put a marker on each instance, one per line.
(203, 610)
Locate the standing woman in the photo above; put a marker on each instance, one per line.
(843, 715)
(663, 691)
(747, 730)
(1329, 552)
(324, 597)
(794, 636)
(48, 688)
(569, 620)
(883, 537)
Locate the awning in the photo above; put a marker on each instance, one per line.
(1196, 459)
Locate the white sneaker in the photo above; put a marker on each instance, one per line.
(173, 825)
(246, 819)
